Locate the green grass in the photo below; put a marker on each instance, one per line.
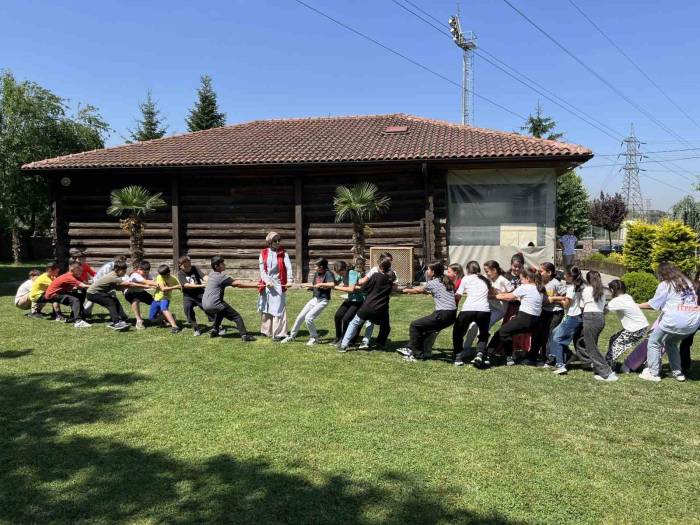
(149, 427)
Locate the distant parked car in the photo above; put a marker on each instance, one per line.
(605, 250)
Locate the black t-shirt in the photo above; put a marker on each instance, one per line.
(194, 276)
(378, 290)
(323, 293)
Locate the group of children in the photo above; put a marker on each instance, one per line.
(542, 311)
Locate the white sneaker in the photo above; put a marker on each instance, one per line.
(678, 375)
(288, 339)
(364, 345)
(140, 325)
(311, 342)
(610, 379)
(405, 351)
(559, 370)
(82, 324)
(648, 376)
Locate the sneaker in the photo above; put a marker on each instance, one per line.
(510, 360)
(82, 324)
(610, 379)
(404, 351)
(487, 362)
(478, 361)
(559, 370)
(678, 375)
(288, 339)
(342, 349)
(530, 362)
(174, 330)
(59, 319)
(247, 338)
(222, 331)
(410, 358)
(648, 376)
(458, 362)
(334, 342)
(624, 369)
(214, 333)
(197, 333)
(312, 341)
(140, 325)
(121, 325)
(364, 345)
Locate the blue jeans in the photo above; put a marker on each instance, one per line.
(658, 340)
(562, 336)
(351, 330)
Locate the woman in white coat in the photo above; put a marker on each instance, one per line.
(275, 278)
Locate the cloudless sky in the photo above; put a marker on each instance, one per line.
(276, 59)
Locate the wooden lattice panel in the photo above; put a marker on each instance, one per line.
(402, 264)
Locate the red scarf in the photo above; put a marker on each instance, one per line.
(280, 267)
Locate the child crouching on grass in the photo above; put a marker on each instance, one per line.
(22, 300)
(441, 287)
(323, 283)
(161, 300)
(136, 294)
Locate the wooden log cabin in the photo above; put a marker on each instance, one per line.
(457, 192)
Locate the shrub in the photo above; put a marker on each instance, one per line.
(639, 241)
(640, 285)
(675, 243)
(616, 258)
(596, 257)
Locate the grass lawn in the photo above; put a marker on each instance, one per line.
(149, 427)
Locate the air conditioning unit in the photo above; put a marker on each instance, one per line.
(402, 264)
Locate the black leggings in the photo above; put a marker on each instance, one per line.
(464, 320)
(189, 303)
(685, 346)
(549, 320)
(520, 324)
(421, 328)
(226, 312)
(116, 312)
(343, 315)
(75, 301)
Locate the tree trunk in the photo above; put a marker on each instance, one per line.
(16, 245)
(610, 240)
(358, 248)
(136, 240)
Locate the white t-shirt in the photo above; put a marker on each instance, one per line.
(23, 290)
(375, 269)
(590, 305)
(104, 270)
(568, 243)
(575, 306)
(629, 314)
(554, 288)
(476, 292)
(136, 277)
(530, 299)
(681, 314)
(500, 285)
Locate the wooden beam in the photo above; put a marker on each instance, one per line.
(429, 248)
(176, 214)
(298, 230)
(59, 234)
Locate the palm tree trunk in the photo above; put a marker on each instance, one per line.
(136, 240)
(358, 245)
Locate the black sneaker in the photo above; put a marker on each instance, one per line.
(246, 338)
(214, 333)
(174, 330)
(478, 361)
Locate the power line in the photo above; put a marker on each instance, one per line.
(596, 74)
(406, 58)
(685, 192)
(479, 52)
(637, 67)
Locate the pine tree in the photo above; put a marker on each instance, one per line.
(675, 243)
(540, 126)
(205, 113)
(151, 126)
(572, 205)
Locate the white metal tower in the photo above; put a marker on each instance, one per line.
(631, 190)
(466, 42)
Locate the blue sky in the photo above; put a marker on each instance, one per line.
(275, 58)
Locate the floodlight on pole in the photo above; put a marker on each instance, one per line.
(467, 43)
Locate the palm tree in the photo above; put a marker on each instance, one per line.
(360, 204)
(134, 203)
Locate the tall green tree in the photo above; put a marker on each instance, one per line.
(359, 204)
(572, 205)
(205, 114)
(132, 204)
(608, 212)
(151, 125)
(36, 124)
(687, 210)
(540, 126)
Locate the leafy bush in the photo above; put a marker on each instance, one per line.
(639, 241)
(675, 243)
(640, 285)
(596, 257)
(616, 258)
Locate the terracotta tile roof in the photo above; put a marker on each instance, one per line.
(321, 140)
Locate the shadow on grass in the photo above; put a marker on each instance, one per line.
(14, 354)
(47, 476)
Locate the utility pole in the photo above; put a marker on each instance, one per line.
(631, 190)
(467, 43)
